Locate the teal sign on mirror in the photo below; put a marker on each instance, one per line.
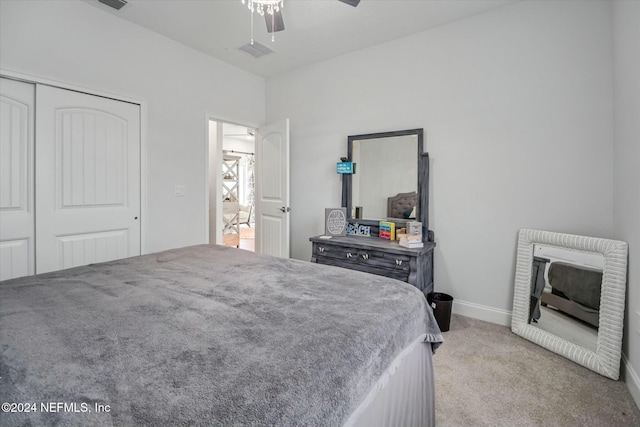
(346, 168)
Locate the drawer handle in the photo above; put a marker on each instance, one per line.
(398, 262)
(349, 255)
(321, 249)
(365, 256)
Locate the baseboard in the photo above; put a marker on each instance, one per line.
(482, 312)
(632, 380)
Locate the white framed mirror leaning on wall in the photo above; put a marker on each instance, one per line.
(569, 297)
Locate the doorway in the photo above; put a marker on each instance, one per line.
(271, 179)
(232, 185)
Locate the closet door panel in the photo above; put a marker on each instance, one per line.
(16, 179)
(88, 179)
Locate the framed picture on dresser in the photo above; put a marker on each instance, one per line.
(335, 221)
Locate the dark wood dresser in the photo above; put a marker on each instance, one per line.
(378, 256)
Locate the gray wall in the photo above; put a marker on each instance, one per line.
(626, 55)
(517, 109)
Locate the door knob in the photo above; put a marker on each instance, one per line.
(283, 209)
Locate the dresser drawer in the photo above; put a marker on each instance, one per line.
(398, 274)
(372, 258)
(336, 252)
(376, 256)
(378, 259)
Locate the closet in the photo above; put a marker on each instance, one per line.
(69, 179)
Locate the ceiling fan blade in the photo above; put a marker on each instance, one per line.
(275, 22)
(353, 3)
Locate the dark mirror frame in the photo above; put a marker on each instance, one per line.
(423, 178)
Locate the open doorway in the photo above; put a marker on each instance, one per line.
(232, 185)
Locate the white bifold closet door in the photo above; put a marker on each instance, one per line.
(87, 179)
(69, 179)
(17, 243)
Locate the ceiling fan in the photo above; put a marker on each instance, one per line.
(275, 22)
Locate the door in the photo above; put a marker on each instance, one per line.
(17, 241)
(87, 179)
(272, 189)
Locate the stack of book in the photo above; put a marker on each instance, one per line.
(413, 236)
(387, 230)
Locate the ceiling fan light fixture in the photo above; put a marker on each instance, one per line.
(262, 7)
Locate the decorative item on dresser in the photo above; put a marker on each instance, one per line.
(392, 176)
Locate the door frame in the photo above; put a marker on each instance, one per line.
(207, 143)
(39, 80)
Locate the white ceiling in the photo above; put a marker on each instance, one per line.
(315, 30)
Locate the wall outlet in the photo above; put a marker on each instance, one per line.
(178, 190)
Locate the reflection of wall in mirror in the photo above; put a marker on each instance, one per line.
(386, 167)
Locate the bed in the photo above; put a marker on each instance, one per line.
(211, 335)
(402, 205)
(570, 288)
(575, 290)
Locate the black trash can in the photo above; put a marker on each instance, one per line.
(441, 305)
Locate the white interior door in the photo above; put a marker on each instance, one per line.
(16, 179)
(87, 179)
(272, 189)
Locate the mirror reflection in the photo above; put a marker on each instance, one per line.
(565, 293)
(569, 296)
(386, 182)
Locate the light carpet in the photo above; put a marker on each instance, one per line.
(488, 376)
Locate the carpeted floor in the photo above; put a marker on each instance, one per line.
(488, 376)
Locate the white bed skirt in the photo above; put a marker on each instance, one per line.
(404, 395)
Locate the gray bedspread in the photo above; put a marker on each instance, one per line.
(203, 335)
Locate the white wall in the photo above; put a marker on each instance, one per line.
(75, 43)
(517, 110)
(626, 38)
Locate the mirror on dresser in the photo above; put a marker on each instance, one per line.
(391, 183)
(391, 179)
(569, 297)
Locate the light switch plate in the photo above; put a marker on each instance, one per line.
(178, 190)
